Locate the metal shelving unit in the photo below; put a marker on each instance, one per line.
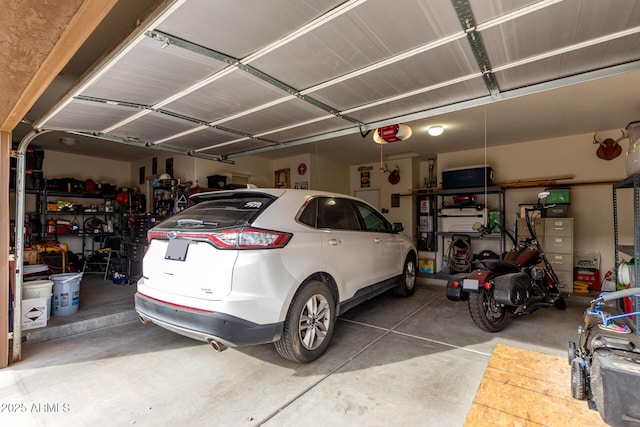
(631, 182)
(487, 193)
(92, 239)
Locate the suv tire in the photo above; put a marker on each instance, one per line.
(407, 285)
(309, 324)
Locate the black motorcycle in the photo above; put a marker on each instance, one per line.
(518, 284)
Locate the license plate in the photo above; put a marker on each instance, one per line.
(177, 249)
(470, 285)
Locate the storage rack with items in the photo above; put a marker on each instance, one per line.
(631, 182)
(426, 239)
(33, 177)
(169, 197)
(458, 220)
(96, 225)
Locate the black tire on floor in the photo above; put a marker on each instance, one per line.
(408, 285)
(309, 324)
(578, 379)
(571, 353)
(561, 304)
(486, 313)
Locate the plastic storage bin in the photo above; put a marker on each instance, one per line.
(467, 177)
(557, 195)
(461, 220)
(560, 210)
(217, 181)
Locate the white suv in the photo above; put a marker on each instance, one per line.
(254, 266)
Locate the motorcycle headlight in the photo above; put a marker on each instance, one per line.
(537, 273)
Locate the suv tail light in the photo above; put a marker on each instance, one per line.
(236, 238)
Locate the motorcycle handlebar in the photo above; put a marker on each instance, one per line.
(483, 230)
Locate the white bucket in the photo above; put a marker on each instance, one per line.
(627, 274)
(66, 293)
(38, 289)
(633, 158)
(633, 155)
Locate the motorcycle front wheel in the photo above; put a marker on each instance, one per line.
(486, 313)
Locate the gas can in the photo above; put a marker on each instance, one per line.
(51, 226)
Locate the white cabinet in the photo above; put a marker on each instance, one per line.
(558, 247)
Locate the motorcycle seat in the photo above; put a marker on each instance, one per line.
(495, 265)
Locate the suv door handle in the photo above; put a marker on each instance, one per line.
(334, 242)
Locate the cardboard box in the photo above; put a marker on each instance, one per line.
(538, 227)
(524, 206)
(426, 266)
(34, 313)
(239, 179)
(591, 277)
(30, 256)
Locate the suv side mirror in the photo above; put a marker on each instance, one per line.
(398, 227)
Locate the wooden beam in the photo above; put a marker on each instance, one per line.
(43, 37)
(534, 182)
(521, 184)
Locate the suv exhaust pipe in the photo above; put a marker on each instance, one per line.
(217, 347)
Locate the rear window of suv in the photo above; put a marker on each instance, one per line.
(228, 210)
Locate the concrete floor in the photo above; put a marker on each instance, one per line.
(413, 361)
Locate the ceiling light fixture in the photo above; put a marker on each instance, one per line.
(65, 140)
(435, 130)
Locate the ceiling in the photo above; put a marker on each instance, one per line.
(276, 78)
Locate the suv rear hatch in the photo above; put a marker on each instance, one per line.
(193, 253)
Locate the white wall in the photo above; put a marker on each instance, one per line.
(65, 165)
(259, 171)
(328, 175)
(196, 170)
(321, 173)
(294, 164)
(591, 205)
(380, 180)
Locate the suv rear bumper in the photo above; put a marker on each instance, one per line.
(205, 326)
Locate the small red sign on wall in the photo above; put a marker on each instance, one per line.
(302, 169)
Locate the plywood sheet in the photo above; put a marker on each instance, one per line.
(526, 388)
